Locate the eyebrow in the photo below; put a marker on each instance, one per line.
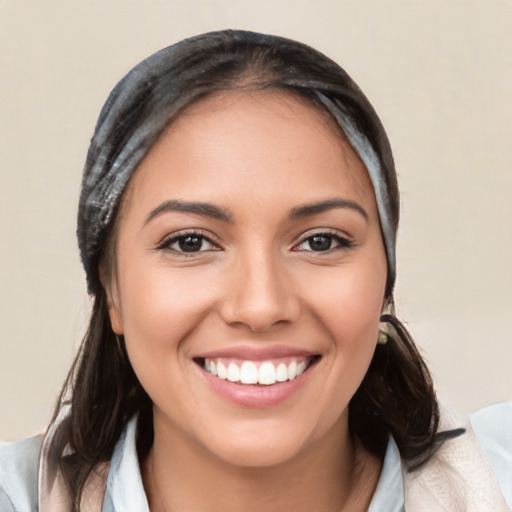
(216, 212)
(314, 208)
(198, 208)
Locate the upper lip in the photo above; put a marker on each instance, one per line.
(256, 353)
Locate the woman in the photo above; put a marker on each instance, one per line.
(237, 226)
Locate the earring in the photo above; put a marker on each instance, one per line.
(383, 338)
(388, 310)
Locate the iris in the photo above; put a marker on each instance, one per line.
(320, 243)
(191, 243)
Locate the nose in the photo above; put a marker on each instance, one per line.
(259, 294)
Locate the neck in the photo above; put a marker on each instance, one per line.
(331, 475)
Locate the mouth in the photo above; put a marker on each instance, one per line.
(257, 372)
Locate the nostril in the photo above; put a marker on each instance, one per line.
(259, 317)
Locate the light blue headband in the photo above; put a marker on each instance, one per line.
(370, 159)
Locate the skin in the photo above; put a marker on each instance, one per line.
(259, 156)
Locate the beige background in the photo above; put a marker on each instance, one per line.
(438, 72)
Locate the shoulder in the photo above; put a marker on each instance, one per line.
(493, 428)
(494, 421)
(462, 475)
(19, 462)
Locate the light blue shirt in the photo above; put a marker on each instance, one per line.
(125, 492)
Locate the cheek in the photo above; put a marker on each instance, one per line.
(161, 312)
(347, 304)
(343, 305)
(348, 300)
(160, 309)
(154, 295)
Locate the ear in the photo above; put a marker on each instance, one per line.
(114, 313)
(113, 303)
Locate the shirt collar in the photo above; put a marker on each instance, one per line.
(389, 494)
(125, 491)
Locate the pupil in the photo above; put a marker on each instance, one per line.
(190, 243)
(320, 243)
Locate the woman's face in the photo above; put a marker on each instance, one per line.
(249, 247)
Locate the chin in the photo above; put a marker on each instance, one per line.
(264, 442)
(260, 453)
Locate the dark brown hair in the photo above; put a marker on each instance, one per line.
(103, 393)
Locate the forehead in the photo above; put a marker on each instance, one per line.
(264, 141)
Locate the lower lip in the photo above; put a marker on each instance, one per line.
(257, 396)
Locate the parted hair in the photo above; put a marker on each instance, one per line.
(102, 392)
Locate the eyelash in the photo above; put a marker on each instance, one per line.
(344, 243)
(166, 244)
(175, 238)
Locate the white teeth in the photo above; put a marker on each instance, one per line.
(292, 370)
(233, 373)
(281, 373)
(267, 374)
(249, 373)
(222, 373)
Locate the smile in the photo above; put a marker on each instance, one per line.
(257, 378)
(264, 373)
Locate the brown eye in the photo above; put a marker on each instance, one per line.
(191, 243)
(324, 242)
(320, 242)
(188, 243)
